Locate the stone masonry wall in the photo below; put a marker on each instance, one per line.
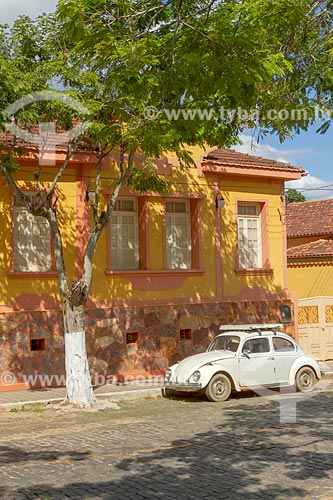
(121, 341)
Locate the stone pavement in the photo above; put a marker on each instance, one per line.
(171, 449)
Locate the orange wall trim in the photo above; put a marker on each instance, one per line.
(15, 387)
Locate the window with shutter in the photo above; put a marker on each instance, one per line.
(32, 240)
(124, 235)
(249, 236)
(178, 235)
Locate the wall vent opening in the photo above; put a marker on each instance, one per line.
(37, 344)
(185, 334)
(132, 338)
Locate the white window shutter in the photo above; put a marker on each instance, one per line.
(249, 239)
(178, 235)
(32, 242)
(124, 236)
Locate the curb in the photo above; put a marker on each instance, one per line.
(118, 396)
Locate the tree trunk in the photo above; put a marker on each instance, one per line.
(78, 382)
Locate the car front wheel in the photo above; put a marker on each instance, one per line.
(305, 379)
(219, 388)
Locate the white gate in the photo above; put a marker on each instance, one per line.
(315, 326)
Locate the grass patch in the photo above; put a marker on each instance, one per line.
(34, 409)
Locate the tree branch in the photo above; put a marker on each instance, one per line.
(121, 159)
(58, 252)
(175, 33)
(98, 183)
(104, 219)
(11, 182)
(70, 150)
(184, 23)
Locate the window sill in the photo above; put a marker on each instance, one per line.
(38, 275)
(154, 272)
(254, 271)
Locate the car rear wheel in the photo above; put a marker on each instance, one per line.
(219, 388)
(305, 379)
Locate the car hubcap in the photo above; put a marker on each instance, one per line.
(306, 380)
(219, 388)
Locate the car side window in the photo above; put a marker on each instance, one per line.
(282, 345)
(257, 345)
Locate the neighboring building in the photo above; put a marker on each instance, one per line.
(310, 273)
(168, 271)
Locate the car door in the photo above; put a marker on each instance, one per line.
(285, 353)
(256, 363)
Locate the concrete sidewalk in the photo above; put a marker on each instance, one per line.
(114, 392)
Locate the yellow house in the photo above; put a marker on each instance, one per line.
(167, 273)
(310, 273)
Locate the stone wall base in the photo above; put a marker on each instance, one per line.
(123, 343)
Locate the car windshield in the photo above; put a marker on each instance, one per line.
(224, 343)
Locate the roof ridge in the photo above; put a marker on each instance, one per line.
(309, 201)
(259, 157)
(230, 156)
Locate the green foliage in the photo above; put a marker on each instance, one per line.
(294, 196)
(146, 179)
(123, 57)
(257, 55)
(119, 58)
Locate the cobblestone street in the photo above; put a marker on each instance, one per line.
(170, 449)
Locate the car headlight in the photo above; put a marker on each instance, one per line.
(167, 375)
(196, 376)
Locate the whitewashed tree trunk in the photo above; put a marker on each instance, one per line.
(78, 381)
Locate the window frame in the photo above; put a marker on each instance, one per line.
(265, 267)
(13, 273)
(136, 234)
(255, 259)
(187, 216)
(139, 277)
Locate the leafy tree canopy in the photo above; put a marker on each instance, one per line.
(294, 196)
(254, 55)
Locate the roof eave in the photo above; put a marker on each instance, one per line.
(310, 235)
(216, 167)
(310, 256)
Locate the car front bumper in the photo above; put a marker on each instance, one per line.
(185, 387)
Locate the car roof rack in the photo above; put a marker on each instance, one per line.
(251, 328)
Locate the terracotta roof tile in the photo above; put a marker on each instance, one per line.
(58, 139)
(310, 218)
(319, 248)
(230, 157)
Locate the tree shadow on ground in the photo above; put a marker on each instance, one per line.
(16, 455)
(251, 455)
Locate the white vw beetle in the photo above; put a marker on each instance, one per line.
(244, 357)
